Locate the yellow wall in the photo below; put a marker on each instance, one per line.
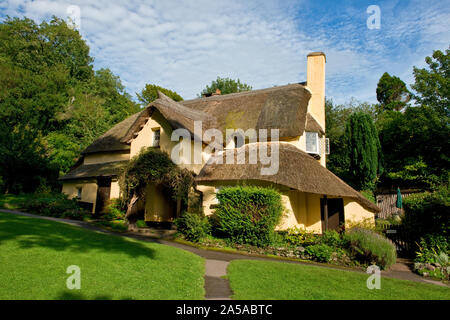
(355, 213)
(106, 157)
(302, 210)
(115, 190)
(315, 81)
(158, 207)
(88, 192)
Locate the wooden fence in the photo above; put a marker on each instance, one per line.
(387, 203)
(404, 241)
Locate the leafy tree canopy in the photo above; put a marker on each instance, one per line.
(392, 93)
(433, 84)
(150, 94)
(226, 86)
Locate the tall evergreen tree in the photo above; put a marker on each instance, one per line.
(364, 151)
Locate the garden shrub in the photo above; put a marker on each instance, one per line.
(428, 213)
(333, 239)
(299, 237)
(54, 205)
(248, 214)
(113, 210)
(430, 248)
(319, 252)
(371, 248)
(141, 224)
(193, 226)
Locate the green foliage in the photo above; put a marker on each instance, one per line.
(226, 86)
(193, 226)
(392, 93)
(113, 210)
(337, 116)
(300, 237)
(23, 165)
(48, 83)
(368, 194)
(371, 248)
(248, 214)
(141, 224)
(150, 94)
(54, 205)
(427, 213)
(430, 248)
(319, 252)
(364, 151)
(433, 84)
(154, 165)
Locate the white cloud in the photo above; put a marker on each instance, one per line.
(183, 46)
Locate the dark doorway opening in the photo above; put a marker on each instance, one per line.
(335, 209)
(103, 193)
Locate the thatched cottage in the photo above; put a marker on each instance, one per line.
(314, 198)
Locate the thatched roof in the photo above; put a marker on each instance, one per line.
(112, 139)
(84, 171)
(297, 170)
(283, 108)
(312, 125)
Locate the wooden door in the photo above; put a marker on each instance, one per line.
(103, 193)
(335, 208)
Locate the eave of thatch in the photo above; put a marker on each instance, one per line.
(112, 139)
(297, 170)
(312, 125)
(85, 171)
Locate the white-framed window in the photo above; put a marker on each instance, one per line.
(156, 137)
(312, 142)
(327, 146)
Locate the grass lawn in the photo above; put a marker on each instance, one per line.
(35, 254)
(284, 281)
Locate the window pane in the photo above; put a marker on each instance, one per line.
(156, 137)
(311, 142)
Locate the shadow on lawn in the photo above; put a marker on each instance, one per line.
(64, 295)
(31, 233)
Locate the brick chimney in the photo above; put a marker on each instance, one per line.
(315, 81)
(217, 93)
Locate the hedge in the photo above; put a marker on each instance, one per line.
(248, 214)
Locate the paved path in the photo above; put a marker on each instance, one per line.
(216, 286)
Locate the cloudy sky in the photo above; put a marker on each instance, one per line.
(183, 45)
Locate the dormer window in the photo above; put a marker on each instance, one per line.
(312, 143)
(156, 137)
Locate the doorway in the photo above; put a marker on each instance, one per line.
(103, 193)
(335, 207)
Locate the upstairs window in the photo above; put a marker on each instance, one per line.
(156, 137)
(312, 142)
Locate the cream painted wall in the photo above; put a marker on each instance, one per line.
(115, 190)
(88, 191)
(106, 157)
(157, 206)
(355, 213)
(315, 81)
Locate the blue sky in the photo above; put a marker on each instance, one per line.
(183, 45)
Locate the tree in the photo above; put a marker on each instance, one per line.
(337, 117)
(364, 151)
(433, 84)
(226, 86)
(49, 87)
(415, 143)
(150, 94)
(392, 93)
